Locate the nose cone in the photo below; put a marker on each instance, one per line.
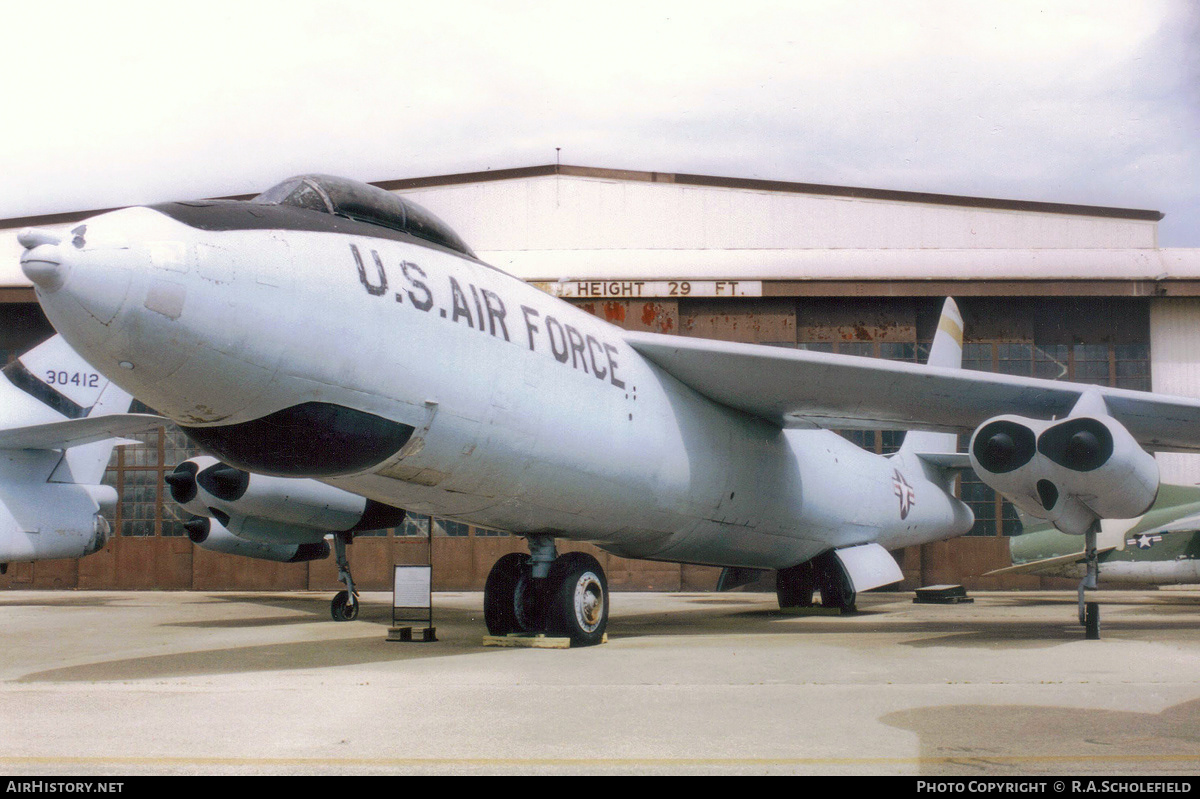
(57, 266)
(191, 321)
(42, 262)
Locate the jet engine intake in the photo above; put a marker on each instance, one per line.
(1070, 472)
(205, 486)
(283, 519)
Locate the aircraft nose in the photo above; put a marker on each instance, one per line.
(68, 272)
(42, 262)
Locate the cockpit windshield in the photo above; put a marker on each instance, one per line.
(364, 203)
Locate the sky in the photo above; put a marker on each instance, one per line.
(125, 102)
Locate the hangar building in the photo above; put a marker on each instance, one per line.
(1076, 292)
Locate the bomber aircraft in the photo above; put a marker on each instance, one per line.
(330, 329)
(59, 421)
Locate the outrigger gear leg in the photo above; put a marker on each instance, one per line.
(1089, 612)
(345, 604)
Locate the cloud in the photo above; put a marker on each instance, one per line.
(1091, 102)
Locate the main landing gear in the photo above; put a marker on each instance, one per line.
(794, 586)
(345, 603)
(544, 593)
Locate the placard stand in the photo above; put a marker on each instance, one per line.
(412, 599)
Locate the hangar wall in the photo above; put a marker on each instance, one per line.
(1175, 343)
(1046, 289)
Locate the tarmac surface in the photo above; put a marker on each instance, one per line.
(131, 683)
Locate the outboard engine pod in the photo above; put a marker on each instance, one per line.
(1071, 472)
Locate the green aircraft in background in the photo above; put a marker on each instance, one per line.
(1161, 547)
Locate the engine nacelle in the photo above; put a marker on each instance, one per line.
(45, 521)
(1070, 472)
(210, 534)
(253, 505)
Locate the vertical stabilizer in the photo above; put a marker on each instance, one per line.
(945, 353)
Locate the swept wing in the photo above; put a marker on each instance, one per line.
(802, 389)
(75, 432)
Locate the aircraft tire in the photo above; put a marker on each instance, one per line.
(834, 584)
(1092, 621)
(341, 608)
(794, 586)
(500, 595)
(578, 606)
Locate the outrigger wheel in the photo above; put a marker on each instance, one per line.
(344, 606)
(1089, 612)
(342, 609)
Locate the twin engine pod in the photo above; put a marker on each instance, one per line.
(1070, 472)
(282, 519)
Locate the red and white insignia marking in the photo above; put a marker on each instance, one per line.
(905, 492)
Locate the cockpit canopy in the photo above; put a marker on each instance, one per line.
(363, 203)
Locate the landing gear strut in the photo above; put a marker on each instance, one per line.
(345, 603)
(565, 595)
(1089, 612)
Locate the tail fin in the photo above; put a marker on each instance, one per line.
(50, 383)
(946, 353)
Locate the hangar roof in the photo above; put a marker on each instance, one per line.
(756, 184)
(560, 222)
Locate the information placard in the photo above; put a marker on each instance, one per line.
(411, 587)
(636, 289)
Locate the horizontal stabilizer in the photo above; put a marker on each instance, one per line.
(946, 460)
(75, 432)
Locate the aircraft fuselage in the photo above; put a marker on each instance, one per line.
(420, 377)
